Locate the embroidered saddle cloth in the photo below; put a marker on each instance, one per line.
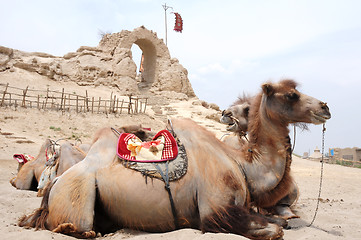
(23, 158)
(163, 153)
(163, 147)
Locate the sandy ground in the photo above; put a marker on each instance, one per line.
(24, 130)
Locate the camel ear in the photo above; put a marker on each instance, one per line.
(268, 89)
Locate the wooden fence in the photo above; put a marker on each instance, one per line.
(67, 102)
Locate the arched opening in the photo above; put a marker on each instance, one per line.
(147, 63)
(138, 58)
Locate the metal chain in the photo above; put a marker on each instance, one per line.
(321, 176)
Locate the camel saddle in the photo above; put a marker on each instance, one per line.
(23, 158)
(164, 154)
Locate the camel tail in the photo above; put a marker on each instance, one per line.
(38, 218)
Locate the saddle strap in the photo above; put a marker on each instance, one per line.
(167, 188)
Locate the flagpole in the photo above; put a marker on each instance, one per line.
(165, 7)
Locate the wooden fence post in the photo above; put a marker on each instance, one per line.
(100, 99)
(3, 98)
(121, 106)
(38, 102)
(46, 99)
(77, 102)
(110, 102)
(130, 103)
(62, 99)
(146, 100)
(24, 95)
(92, 104)
(113, 109)
(86, 100)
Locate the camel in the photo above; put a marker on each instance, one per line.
(99, 194)
(236, 118)
(30, 173)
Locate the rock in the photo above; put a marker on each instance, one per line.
(110, 64)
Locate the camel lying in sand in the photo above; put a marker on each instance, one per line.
(236, 117)
(30, 173)
(215, 195)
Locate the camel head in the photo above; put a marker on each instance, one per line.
(283, 102)
(236, 116)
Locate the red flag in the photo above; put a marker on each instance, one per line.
(178, 27)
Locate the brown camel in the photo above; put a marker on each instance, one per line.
(236, 118)
(29, 174)
(100, 194)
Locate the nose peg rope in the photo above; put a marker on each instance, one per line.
(321, 176)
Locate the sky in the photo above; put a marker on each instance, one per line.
(228, 47)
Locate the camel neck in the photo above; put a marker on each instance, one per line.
(266, 133)
(268, 154)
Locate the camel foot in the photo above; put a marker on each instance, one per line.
(90, 234)
(285, 212)
(70, 229)
(12, 181)
(65, 228)
(270, 231)
(40, 193)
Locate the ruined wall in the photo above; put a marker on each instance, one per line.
(110, 64)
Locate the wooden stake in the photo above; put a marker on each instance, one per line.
(46, 99)
(146, 100)
(24, 95)
(121, 106)
(62, 99)
(77, 102)
(3, 98)
(99, 104)
(38, 102)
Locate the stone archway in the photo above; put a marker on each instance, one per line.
(161, 73)
(149, 63)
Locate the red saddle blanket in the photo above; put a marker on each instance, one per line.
(163, 147)
(23, 158)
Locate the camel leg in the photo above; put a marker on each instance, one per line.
(283, 207)
(24, 179)
(238, 220)
(72, 201)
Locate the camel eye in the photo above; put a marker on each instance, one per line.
(292, 97)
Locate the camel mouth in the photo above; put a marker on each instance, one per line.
(319, 119)
(232, 127)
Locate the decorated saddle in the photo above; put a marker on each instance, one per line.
(162, 157)
(23, 158)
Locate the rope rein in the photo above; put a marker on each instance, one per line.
(321, 176)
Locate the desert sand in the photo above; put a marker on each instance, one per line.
(24, 130)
